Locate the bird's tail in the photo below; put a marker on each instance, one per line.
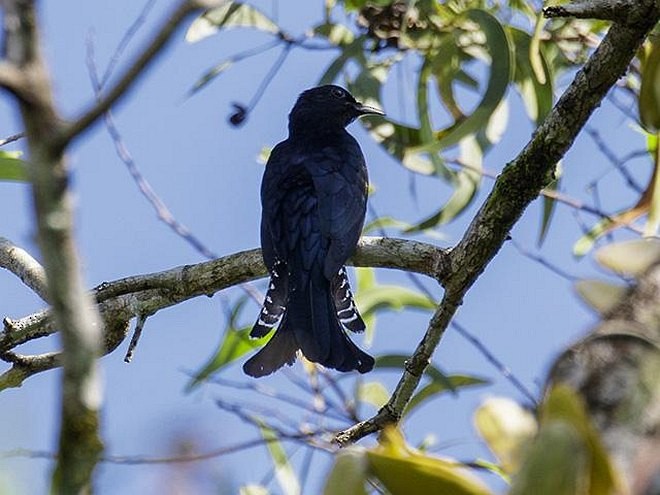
(312, 324)
(313, 317)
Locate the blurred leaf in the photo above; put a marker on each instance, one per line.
(649, 93)
(536, 96)
(373, 393)
(507, 428)
(549, 204)
(366, 279)
(349, 473)
(465, 182)
(398, 361)
(209, 75)
(567, 443)
(630, 258)
(286, 476)
(653, 220)
(500, 75)
(253, 490)
(337, 34)
(535, 57)
(392, 297)
(235, 344)
(557, 449)
(12, 168)
(625, 217)
(383, 223)
(600, 296)
(229, 15)
(405, 471)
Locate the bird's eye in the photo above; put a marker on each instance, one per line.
(338, 93)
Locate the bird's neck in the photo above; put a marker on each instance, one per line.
(315, 131)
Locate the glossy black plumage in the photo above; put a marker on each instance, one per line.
(314, 196)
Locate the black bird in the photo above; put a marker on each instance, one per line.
(314, 197)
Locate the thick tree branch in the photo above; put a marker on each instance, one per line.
(518, 185)
(136, 69)
(607, 10)
(73, 310)
(121, 300)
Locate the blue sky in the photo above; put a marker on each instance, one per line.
(208, 175)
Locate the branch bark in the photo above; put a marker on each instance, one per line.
(24, 74)
(143, 295)
(518, 185)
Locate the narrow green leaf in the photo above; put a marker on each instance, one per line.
(393, 297)
(229, 15)
(12, 168)
(649, 93)
(373, 393)
(209, 75)
(501, 68)
(235, 344)
(537, 96)
(549, 205)
(585, 243)
(349, 474)
(286, 476)
(465, 182)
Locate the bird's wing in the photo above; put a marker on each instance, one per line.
(340, 180)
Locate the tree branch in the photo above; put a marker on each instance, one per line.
(518, 185)
(619, 11)
(24, 266)
(76, 316)
(136, 69)
(121, 300)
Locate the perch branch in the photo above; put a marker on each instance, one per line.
(121, 300)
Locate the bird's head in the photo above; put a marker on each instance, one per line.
(327, 108)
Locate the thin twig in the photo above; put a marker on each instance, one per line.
(163, 36)
(12, 138)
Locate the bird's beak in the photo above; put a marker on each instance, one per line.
(367, 110)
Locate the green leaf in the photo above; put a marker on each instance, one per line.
(253, 490)
(349, 473)
(585, 243)
(501, 68)
(337, 34)
(12, 168)
(465, 182)
(537, 96)
(600, 296)
(569, 444)
(229, 15)
(393, 297)
(405, 471)
(209, 75)
(549, 205)
(508, 430)
(649, 93)
(373, 393)
(236, 342)
(631, 258)
(286, 476)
